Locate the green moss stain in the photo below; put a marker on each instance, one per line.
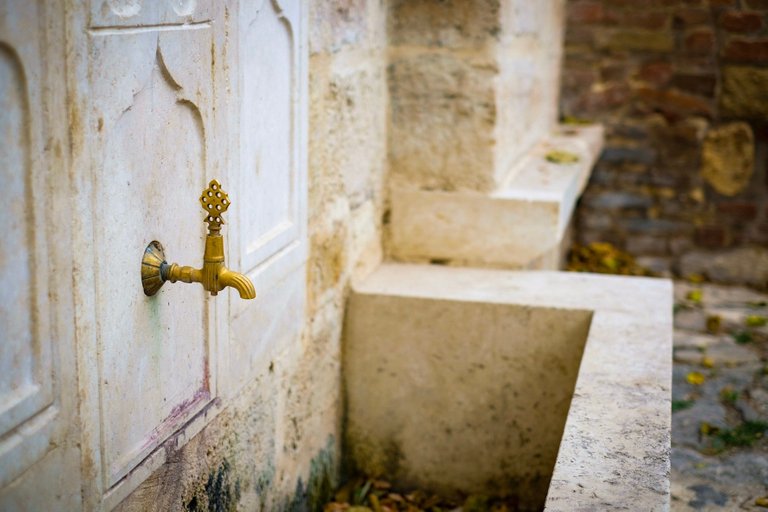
(264, 479)
(220, 493)
(323, 479)
(156, 331)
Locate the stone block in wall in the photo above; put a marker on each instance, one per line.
(692, 16)
(700, 42)
(594, 219)
(712, 236)
(654, 227)
(641, 154)
(610, 200)
(744, 93)
(675, 104)
(337, 24)
(585, 12)
(747, 51)
(702, 83)
(621, 40)
(659, 265)
(741, 22)
(637, 245)
(443, 115)
(655, 72)
(680, 245)
(736, 266)
(728, 158)
(356, 103)
(741, 211)
(452, 23)
(473, 86)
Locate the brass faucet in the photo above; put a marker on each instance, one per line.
(214, 276)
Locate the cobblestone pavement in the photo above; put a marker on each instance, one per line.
(720, 399)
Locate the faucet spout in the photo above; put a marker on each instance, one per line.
(238, 281)
(214, 276)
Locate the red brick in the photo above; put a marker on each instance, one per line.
(578, 78)
(740, 210)
(613, 71)
(649, 20)
(702, 84)
(753, 51)
(605, 99)
(675, 104)
(655, 72)
(700, 42)
(585, 12)
(712, 236)
(692, 16)
(619, 3)
(644, 4)
(579, 35)
(741, 21)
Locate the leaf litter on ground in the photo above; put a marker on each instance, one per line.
(604, 258)
(376, 495)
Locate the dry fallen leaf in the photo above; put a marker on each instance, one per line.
(762, 501)
(336, 507)
(381, 484)
(695, 296)
(579, 121)
(374, 501)
(695, 378)
(604, 258)
(714, 322)
(561, 157)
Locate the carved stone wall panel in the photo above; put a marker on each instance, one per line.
(152, 105)
(269, 167)
(138, 13)
(270, 240)
(27, 371)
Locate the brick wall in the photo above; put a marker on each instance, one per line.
(682, 87)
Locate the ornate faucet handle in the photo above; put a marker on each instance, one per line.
(215, 202)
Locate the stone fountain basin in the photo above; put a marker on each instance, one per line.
(553, 387)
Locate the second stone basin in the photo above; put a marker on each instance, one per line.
(552, 387)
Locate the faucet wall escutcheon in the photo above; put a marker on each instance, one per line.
(214, 276)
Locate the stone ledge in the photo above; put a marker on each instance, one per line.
(614, 448)
(521, 225)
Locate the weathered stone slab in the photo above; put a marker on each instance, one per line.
(744, 92)
(728, 157)
(742, 265)
(730, 354)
